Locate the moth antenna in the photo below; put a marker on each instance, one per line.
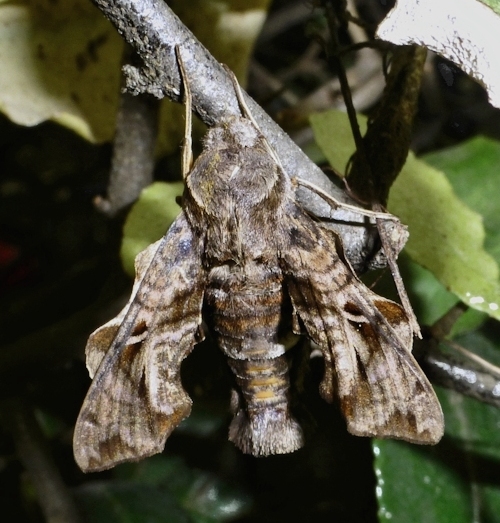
(338, 204)
(187, 144)
(245, 110)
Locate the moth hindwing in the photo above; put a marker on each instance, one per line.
(245, 257)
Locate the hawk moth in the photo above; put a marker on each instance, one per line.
(245, 257)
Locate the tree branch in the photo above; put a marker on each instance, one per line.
(153, 30)
(53, 496)
(132, 164)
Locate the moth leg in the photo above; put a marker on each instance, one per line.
(337, 204)
(187, 145)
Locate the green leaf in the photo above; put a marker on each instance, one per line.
(149, 219)
(61, 63)
(446, 236)
(122, 502)
(455, 480)
(428, 296)
(333, 135)
(493, 4)
(413, 486)
(472, 168)
(199, 494)
(429, 299)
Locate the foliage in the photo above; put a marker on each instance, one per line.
(457, 477)
(451, 481)
(58, 272)
(159, 486)
(62, 62)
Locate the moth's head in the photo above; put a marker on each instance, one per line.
(235, 131)
(243, 131)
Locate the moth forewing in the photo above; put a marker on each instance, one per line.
(366, 340)
(403, 404)
(101, 339)
(136, 397)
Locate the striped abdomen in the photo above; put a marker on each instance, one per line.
(245, 309)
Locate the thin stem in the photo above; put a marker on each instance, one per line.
(54, 498)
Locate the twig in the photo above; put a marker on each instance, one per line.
(54, 498)
(361, 162)
(133, 150)
(333, 12)
(450, 365)
(458, 369)
(153, 30)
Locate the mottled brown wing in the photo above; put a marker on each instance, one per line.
(366, 340)
(136, 397)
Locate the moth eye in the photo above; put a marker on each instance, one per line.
(352, 310)
(140, 328)
(137, 336)
(354, 315)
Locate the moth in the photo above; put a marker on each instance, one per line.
(247, 259)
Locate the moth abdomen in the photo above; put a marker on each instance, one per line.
(262, 382)
(245, 311)
(262, 422)
(246, 308)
